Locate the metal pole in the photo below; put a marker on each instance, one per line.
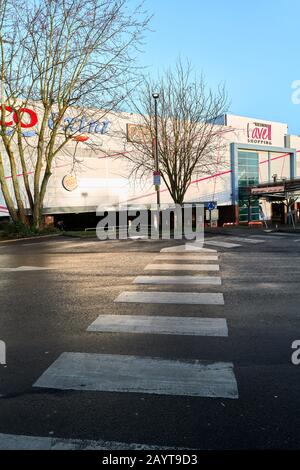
(155, 96)
(156, 149)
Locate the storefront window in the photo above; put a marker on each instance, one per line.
(248, 175)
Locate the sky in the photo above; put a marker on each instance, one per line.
(253, 46)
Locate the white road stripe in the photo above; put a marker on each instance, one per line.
(24, 268)
(114, 373)
(246, 240)
(161, 325)
(138, 237)
(216, 281)
(171, 298)
(47, 244)
(76, 245)
(182, 267)
(187, 248)
(21, 442)
(42, 243)
(221, 244)
(265, 237)
(286, 234)
(187, 257)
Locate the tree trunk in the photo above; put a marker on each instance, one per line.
(6, 194)
(37, 214)
(39, 201)
(9, 202)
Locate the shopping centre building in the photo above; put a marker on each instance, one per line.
(93, 170)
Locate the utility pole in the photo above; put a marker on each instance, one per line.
(155, 96)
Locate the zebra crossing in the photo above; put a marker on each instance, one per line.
(182, 268)
(147, 375)
(160, 325)
(221, 244)
(179, 298)
(157, 280)
(154, 375)
(232, 241)
(23, 442)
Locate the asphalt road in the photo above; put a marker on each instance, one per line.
(45, 313)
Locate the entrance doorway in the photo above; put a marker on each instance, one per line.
(278, 211)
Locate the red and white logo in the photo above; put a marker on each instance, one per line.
(259, 133)
(26, 117)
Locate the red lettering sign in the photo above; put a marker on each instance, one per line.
(33, 119)
(262, 132)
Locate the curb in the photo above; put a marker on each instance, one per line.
(29, 238)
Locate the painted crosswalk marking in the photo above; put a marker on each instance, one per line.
(187, 257)
(207, 280)
(150, 375)
(21, 442)
(221, 244)
(160, 325)
(286, 234)
(245, 240)
(182, 267)
(77, 245)
(267, 237)
(171, 298)
(114, 373)
(24, 268)
(193, 247)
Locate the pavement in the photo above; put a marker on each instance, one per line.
(140, 344)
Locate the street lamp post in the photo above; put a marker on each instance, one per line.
(155, 96)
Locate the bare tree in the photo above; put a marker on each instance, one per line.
(61, 58)
(190, 140)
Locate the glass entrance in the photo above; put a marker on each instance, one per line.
(248, 175)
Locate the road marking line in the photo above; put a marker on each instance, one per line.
(114, 373)
(24, 268)
(171, 298)
(246, 240)
(21, 442)
(287, 234)
(187, 257)
(216, 281)
(77, 245)
(33, 244)
(187, 248)
(161, 325)
(265, 237)
(182, 267)
(46, 244)
(221, 244)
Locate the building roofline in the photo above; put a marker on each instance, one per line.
(255, 118)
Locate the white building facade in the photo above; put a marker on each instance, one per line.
(94, 171)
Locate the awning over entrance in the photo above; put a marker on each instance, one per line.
(275, 189)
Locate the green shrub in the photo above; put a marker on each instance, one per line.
(18, 230)
(49, 229)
